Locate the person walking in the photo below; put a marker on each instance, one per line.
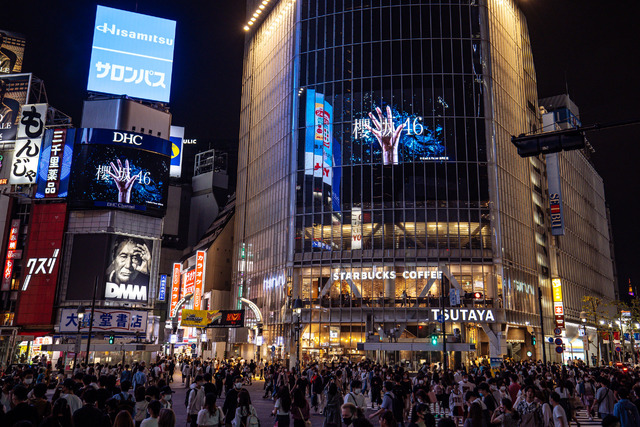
(282, 407)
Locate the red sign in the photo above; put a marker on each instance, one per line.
(197, 296)
(175, 287)
(11, 249)
(189, 282)
(40, 264)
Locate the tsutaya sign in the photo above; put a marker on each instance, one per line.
(389, 274)
(482, 315)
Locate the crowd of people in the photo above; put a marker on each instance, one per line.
(524, 394)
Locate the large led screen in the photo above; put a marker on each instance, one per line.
(11, 52)
(122, 170)
(132, 54)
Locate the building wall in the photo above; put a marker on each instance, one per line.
(264, 175)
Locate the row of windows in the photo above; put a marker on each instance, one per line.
(385, 23)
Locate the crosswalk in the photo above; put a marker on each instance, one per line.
(583, 418)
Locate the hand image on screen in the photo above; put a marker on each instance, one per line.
(143, 253)
(387, 135)
(123, 180)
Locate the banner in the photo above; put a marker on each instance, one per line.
(54, 167)
(11, 249)
(175, 287)
(197, 294)
(189, 282)
(11, 52)
(14, 91)
(213, 318)
(558, 306)
(24, 168)
(104, 319)
(176, 136)
(555, 195)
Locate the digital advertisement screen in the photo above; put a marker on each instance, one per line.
(14, 90)
(11, 52)
(122, 170)
(176, 137)
(132, 54)
(128, 272)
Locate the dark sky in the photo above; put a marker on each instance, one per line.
(590, 46)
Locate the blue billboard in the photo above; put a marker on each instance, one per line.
(132, 54)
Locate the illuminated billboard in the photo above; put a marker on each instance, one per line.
(41, 263)
(14, 91)
(54, 167)
(132, 54)
(122, 170)
(11, 52)
(24, 168)
(122, 265)
(176, 137)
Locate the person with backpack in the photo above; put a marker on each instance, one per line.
(477, 414)
(195, 400)
(246, 415)
(210, 415)
(355, 396)
(231, 401)
(392, 403)
(125, 398)
(605, 399)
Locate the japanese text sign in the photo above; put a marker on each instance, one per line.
(111, 320)
(27, 151)
(199, 281)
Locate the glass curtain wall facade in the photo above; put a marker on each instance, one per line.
(394, 145)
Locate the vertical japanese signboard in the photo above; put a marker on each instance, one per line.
(24, 169)
(162, 294)
(558, 307)
(175, 288)
(356, 228)
(555, 195)
(197, 295)
(40, 270)
(11, 249)
(55, 163)
(189, 282)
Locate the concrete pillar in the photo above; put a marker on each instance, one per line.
(389, 287)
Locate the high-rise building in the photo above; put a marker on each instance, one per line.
(378, 187)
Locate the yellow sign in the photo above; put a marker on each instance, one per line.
(556, 284)
(200, 318)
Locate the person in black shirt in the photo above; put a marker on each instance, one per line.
(89, 415)
(21, 411)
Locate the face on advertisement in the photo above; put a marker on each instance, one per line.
(131, 259)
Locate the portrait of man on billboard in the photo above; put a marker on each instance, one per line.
(130, 262)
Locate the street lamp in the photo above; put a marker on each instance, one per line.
(80, 314)
(297, 310)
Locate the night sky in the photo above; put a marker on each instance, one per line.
(591, 47)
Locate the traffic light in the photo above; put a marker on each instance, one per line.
(112, 339)
(549, 142)
(434, 339)
(533, 339)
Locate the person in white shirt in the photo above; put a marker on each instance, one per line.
(210, 415)
(154, 410)
(559, 416)
(355, 396)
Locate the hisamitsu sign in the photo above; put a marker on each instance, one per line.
(132, 54)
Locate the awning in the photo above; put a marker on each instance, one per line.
(414, 346)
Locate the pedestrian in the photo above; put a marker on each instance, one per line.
(355, 396)
(505, 415)
(60, 415)
(89, 414)
(626, 411)
(123, 419)
(154, 411)
(300, 409)
(332, 410)
(40, 402)
(282, 407)
(246, 415)
(210, 415)
(195, 400)
(139, 378)
(67, 393)
(605, 399)
(231, 402)
(166, 395)
(559, 414)
(22, 410)
(140, 409)
(167, 418)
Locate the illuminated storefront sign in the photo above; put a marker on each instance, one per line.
(175, 287)
(464, 315)
(24, 169)
(558, 307)
(189, 282)
(104, 319)
(555, 195)
(389, 274)
(11, 248)
(200, 260)
(163, 288)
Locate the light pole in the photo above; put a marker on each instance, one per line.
(80, 313)
(583, 317)
(297, 310)
(93, 308)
